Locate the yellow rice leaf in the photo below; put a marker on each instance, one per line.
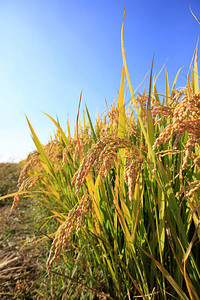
(123, 222)
(189, 89)
(121, 123)
(176, 79)
(196, 77)
(84, 121)
(167, 88)
(45, 223)
(77, 127)
(161, 229)
(152, 154)
(194, 16)
(138, 196)
(155, 92)
(121, 107)
(46, 168)
(68, 127)
(43, 156)
(62, 134)
(188, 76)
(160, 72)
(13, 195)
(58, 214)
(126, 212)
(91, 126)
(193, 82)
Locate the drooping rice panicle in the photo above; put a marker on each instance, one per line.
(74, 219)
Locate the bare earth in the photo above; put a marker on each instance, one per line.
(19, 268)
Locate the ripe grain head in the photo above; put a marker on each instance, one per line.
(64, 233)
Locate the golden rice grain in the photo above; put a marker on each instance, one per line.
(133, 166)
(65, 231)
(185, 114)
(26, 185)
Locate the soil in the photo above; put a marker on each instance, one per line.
(21, 262)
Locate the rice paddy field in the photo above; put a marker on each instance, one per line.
(120, 198)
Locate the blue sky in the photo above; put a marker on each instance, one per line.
(51, 50)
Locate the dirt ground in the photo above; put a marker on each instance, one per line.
(20, 267)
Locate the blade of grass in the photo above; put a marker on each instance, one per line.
(177, 288)
(91, 126)
(190, 287)
(194, 15)
(123, 265)
(150, 125)
(176, 77)
(121, 107)
(83, 284)
(63, 135)
(152, 154)
(196, 77)
(41, 151)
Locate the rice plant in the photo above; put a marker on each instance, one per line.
(124, 194)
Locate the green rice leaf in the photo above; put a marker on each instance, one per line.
(150, 123)
(91, 126)
(177, 288)
(190, 287)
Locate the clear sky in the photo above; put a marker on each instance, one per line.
(51, 50)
